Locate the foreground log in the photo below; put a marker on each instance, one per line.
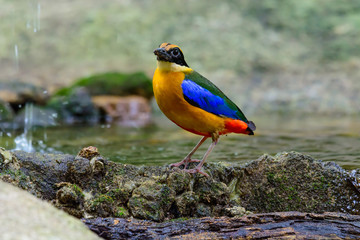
(284, 225)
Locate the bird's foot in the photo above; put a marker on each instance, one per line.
(185, 162)
(196, 170)
(178, 164)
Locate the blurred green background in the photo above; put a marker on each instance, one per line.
(268, 55)
(292, 66)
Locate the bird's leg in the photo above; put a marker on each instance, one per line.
(197, 169)
(188, 159)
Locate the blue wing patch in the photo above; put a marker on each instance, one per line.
(204, 99)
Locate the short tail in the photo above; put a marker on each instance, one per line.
(238, 126)
(251, 128)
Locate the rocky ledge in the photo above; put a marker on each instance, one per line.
(89, 186)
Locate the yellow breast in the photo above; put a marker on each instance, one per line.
(169, 96)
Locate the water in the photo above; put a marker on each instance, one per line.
(24, 140)
(328, 139)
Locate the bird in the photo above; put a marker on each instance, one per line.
(194, 103)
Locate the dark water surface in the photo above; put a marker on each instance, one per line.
(324, 138)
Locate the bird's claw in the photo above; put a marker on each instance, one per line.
(196, 170)
(177, 164)
(185, 162)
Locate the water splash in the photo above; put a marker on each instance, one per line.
(24, 141)
(16, 51)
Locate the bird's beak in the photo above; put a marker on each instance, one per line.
(162, 55)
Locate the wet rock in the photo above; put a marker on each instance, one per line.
(6, 112)
(25, 217)
(187, 203)
(76, 107)
(288, 181)
(17, 94)
(35, 116)
(122, 194)
(69, 194)
(44, 171)
(106, 97)
(292, 181)
(80, 170)
(102, 205)
(212, 192)
(126, 111)
(179, 181)
(151, 200)
(70, 198)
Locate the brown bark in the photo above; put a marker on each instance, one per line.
(281, 225)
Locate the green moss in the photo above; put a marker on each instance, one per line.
(270, 177)
(78, 190)
(122, 195)
(113, 83)
(103, 198)
(121, 212)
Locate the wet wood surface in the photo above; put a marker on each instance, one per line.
(281, 225)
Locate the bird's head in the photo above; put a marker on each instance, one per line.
(171, 53)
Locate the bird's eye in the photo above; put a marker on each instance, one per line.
(175, 52)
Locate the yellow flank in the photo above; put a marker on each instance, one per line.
(169, 96)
